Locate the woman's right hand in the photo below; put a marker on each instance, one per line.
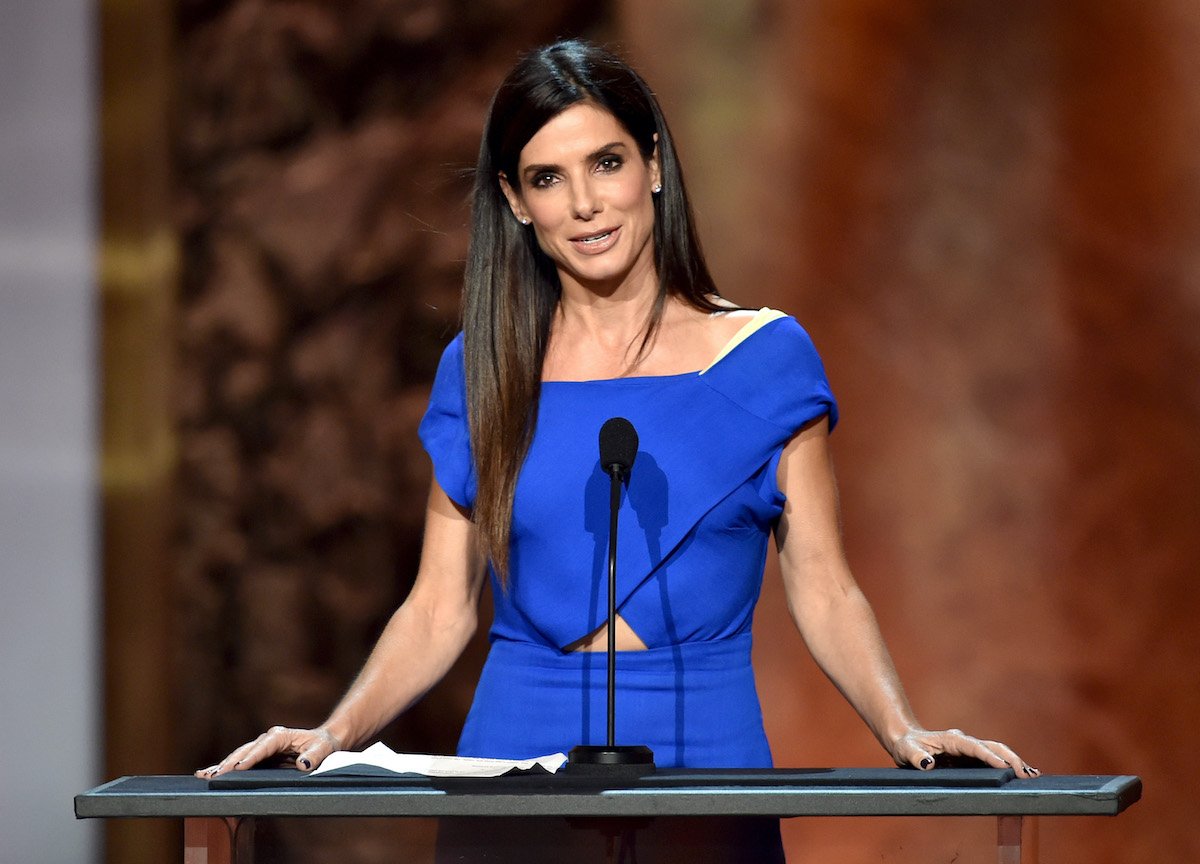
(306, 748)
(421, 641)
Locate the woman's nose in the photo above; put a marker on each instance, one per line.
(584, 201)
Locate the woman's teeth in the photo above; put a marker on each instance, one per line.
(597, 238)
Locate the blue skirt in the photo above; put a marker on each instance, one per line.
(695, 704)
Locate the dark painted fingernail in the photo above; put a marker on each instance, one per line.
(304, 763)
(926, 762)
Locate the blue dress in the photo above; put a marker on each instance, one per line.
(695, 520)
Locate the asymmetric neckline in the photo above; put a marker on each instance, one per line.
(761, 318)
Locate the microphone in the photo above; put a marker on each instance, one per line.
(618, 446)
(618, 449)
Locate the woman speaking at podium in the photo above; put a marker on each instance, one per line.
(586, 297)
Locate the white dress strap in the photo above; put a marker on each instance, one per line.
(761, 318)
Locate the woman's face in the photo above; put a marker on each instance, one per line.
(586, 190)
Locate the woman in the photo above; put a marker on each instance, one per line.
(587, 297)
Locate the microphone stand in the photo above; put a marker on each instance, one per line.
(614, 504)
(611, 760)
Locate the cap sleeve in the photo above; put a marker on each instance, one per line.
(444, 431)
(777, 375)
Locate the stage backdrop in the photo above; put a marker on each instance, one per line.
(984, 214)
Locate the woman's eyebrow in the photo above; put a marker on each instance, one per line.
(531, 170)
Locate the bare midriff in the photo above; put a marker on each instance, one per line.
(597, 640)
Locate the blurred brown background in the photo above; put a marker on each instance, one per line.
(987, 215)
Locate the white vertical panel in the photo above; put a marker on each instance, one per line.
(49, 611)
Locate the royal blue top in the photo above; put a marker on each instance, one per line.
(695, 519)
(698, 509)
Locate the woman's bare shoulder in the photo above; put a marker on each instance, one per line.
(728, 324)
(690, 338)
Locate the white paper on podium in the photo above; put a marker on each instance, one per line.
(379, 755)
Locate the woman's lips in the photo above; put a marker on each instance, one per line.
(596, 242)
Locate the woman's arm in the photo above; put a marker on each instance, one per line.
(836, 621)
(418, 646)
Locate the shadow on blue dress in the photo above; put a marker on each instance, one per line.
(649, 498)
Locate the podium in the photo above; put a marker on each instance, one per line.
(219, 814)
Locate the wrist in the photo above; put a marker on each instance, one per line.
(338, 734)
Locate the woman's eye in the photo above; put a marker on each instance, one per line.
(542, 181)
(609, 163)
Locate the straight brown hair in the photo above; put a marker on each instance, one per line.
(511, 287)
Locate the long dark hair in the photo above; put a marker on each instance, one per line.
(512, 288)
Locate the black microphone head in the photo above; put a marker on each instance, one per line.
(618, 445)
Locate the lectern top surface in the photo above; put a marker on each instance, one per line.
(777, 792)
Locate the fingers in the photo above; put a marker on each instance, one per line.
(1011, 759)
(923, 749)
(912, 754)
(276, 741)
(322, 744)
(955, 742)
(911, 751)
(994, 753)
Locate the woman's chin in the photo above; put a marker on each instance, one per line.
(606, 278)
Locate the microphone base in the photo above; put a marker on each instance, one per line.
(633, 760)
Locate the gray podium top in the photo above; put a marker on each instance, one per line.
(670, 792)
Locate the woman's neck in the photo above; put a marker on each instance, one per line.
(610, 322)
(599, 333)
(603, 339)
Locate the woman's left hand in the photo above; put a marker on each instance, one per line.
(921, 748)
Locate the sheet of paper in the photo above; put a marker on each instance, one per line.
(380, 755)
